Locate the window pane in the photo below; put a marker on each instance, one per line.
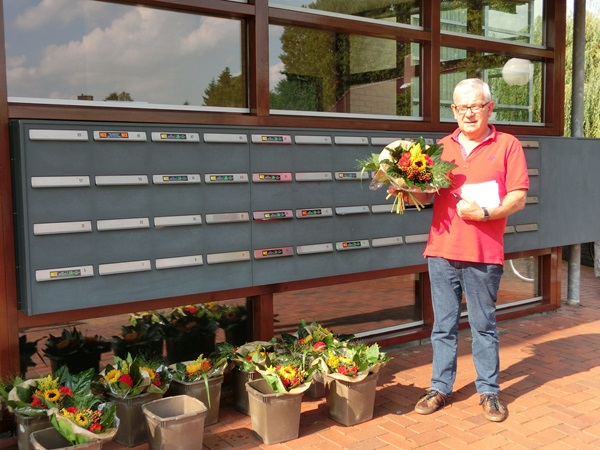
(516, 84)
(88, 49)
(512, 20)
(399, 11)
(314, 70)
(352, 308)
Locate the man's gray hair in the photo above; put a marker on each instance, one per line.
(476, 84)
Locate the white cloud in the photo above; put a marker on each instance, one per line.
(156, 56)
(57, 13)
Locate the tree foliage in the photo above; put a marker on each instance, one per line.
(226, 91)
(119, 97)
(591, 119)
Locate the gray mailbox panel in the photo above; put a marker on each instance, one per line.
(110, 213)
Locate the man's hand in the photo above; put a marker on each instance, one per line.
(468, 209)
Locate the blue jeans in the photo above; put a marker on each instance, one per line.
(479, 283)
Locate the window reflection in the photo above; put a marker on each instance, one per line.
(398, 11)
(516, 83)
(518, 21)
(97, 51)
(314, 70)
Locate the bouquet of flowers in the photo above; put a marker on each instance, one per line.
(286, 373)
(410, 167)
(142, 335)
(199, 369)
(130, 377)
(352, 362)
(74, 410)
(250, 355)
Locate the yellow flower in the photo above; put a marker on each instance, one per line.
(287, 372)
(82, 419)
(415, 151)
(47, 383)
(113, 376)
(52, 395)
(150, 372)
(419, 163)
(333, 361)
(193, 368)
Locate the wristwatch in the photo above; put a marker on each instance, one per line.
(486, 215)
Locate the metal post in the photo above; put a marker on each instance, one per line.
(578, 70)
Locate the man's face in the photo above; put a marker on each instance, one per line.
(473, 124)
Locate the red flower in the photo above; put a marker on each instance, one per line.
(206, 366)
(71, 409)
(191, 309)
(157, 382)
(319, 346)
(405, 160)
(35, 401)
(95, 427)
(64, 391)
(126, 378)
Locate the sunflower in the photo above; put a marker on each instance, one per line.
(149, 371)
(82, 419)
(113, 376)
(52, 395)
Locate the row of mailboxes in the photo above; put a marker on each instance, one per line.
(109, 213)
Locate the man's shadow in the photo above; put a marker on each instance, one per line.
(547, 361)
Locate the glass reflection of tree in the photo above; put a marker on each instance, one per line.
(321, 67)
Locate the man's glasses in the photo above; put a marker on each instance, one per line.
(475, 109)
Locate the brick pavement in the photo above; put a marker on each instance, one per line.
(550, 375)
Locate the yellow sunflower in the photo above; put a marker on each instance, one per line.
(113, 376)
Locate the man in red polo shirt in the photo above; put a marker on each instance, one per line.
(465, 250)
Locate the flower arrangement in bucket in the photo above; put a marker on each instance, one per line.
(414, 168)
(313, 340)
(130, 377)
(200, 370)
(233, 319)
(189, 330)
(143, 335)
(287, 373)
(75, 411)
(75, 350)
(352, 362)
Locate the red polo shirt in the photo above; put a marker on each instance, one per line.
(499, 158)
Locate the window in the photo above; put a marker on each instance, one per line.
(91, 50)
(399, 11)
(331, 72)
(506, 20)
(516, 83)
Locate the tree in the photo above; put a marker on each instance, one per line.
(228, 90)
(591, 119)
(119, 97)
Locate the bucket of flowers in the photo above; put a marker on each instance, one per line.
(68, 402)
(201, 378)
(412, 167)
(351, 373)
(130, 383)
(143, 336)
(75, 350)
(189, 330)
(233, 319)
(245, 359)
(313, 340)
(275, 400)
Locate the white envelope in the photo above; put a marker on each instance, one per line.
(485, 194)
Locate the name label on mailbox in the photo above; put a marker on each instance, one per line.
(40, 229)
(275, 252)
(181, 261)
(271, 139)
(120, 136)
(64, 273)
(352, 245)
(273, 215)
(312, 213)
(272, 177)
(226, 178)
(121, 180)
(228, 217)
(191, 178)
(165, 136)
(53, 182)
(351, 176)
